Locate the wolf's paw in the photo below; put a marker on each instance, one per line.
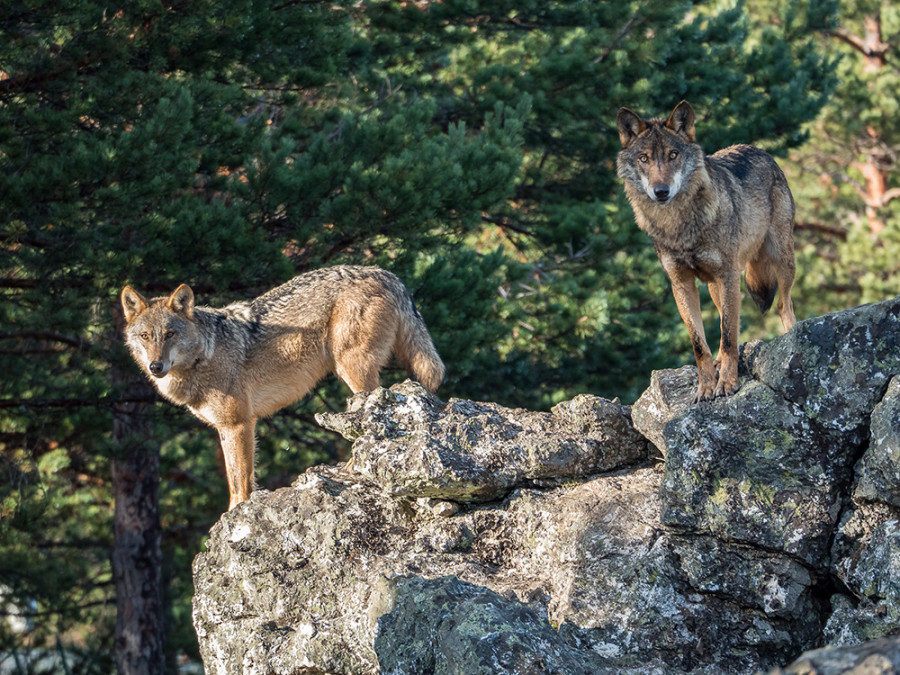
(705, 392)
(708, 376)
(727, 386)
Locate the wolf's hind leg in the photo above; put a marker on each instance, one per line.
(363, 343)
(785, 270)
(773, 267)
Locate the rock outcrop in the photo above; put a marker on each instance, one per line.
(471, 538)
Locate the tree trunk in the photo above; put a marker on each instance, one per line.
(876, 188)
(877, 166)
(137, 553)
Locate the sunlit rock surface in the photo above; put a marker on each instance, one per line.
(730, 536)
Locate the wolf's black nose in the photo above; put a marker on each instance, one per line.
(661, 192)
(156, 367)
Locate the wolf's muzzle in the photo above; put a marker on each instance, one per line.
(157, 368)
(661, 192)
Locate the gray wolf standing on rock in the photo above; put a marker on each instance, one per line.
(233, 365)
(709, 218)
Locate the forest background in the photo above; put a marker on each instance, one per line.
(467, 146)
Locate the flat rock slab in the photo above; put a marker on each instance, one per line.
(836, 367)
(753, 468)
(414, 445)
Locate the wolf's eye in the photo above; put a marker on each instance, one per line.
(144, 336)
(169, 334)
(644, 159)
(673, 154)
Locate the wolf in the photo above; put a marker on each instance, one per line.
(233, 365)
(709, 218)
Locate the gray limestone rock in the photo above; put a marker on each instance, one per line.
(753, 468)
(334, 575)
(446, 626)
(669, 394)
(879, 469)
(413, 445)
(836, 367)
(879, 657)
(867, 561)
(473, 538)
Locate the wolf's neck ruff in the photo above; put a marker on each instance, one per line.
(682, 217)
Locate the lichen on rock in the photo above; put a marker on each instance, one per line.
(413, 445)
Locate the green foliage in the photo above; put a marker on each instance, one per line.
(847, 237)
(468, 147)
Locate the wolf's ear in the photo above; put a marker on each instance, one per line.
(681, 121)
(630, 126)
(133, 303)
(182, 300)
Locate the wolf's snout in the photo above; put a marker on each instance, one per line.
(661, 192)
(157, 368)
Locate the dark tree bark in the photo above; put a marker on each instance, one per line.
(137, 551)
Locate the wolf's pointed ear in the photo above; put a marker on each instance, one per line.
(681, 121)
(182, 300)
(630, 126)
(133, 303)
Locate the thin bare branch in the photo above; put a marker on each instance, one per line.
(49, 336)
(623, 31)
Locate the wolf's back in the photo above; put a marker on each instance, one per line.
(318, 297)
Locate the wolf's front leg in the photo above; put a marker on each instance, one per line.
(730, 310)
(239, 448)
(687, 298)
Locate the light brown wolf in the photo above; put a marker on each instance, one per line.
(233, 365)
(709, 219)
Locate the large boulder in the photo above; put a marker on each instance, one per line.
(879, 469)
(337, 577)
(878, 657)
(336, 571)
(414, 445)
(754, 469)
(472, 538)
(836, 367)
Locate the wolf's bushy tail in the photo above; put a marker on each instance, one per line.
(415, 349)
(762, 287)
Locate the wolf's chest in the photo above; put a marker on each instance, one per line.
(172, 389)
(178, 391)
(704, 263)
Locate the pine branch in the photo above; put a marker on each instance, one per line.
(625, 30)
(821, 227)
(841, 34)
(889, 196)
(51, 336)
(102, 402)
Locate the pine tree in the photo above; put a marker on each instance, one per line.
(847, 177)
(588, 303)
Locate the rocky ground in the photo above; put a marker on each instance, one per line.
(726, 537)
